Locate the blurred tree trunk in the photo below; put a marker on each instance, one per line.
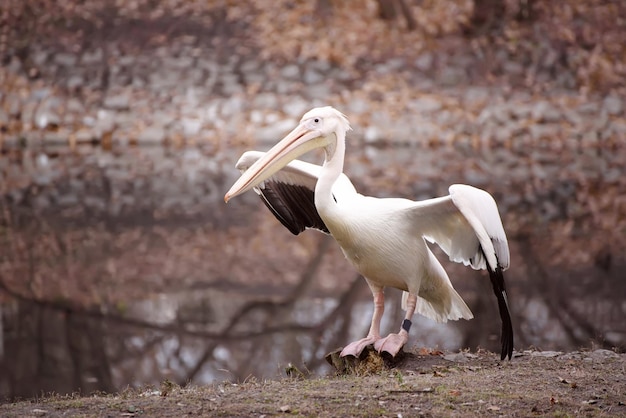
(490, 14)
(524, 10)
(390, 9)
(387, 10)
(48, 349)
(487, 14)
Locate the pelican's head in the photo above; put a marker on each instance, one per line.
(321, 127)
(327, 120)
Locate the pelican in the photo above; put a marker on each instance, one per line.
(385, 239)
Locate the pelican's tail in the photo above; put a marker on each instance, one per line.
(454, 307)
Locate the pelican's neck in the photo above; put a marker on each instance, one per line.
(331, 170)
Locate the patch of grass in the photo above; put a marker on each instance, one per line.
(419, 385)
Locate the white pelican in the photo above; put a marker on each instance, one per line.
(385, 239)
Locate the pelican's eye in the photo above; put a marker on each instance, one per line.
(314, 123)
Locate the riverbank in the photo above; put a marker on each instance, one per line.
(466, 384)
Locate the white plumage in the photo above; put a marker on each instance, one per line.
(385, 239)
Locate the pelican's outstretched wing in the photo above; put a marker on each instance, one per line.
(467, 226)
(290, 193)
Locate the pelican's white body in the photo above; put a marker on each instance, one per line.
(385, 239)
(389, 251)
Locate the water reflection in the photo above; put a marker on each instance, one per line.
(125, 267)
(287, 339)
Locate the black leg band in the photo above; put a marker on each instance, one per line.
(406, 325)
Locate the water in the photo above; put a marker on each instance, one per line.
(125, 267)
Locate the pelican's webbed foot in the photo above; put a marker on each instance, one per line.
(356, 348)
(392, 343)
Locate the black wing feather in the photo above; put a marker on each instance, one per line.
(497, 281)
(292, 205)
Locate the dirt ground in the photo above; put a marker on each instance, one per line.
(591, 383)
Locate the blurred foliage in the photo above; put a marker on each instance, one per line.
(351, 33)
(579, 44)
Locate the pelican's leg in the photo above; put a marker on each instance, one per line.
(355, 348)
(394, 342)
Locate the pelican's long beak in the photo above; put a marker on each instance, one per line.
(299, 141)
